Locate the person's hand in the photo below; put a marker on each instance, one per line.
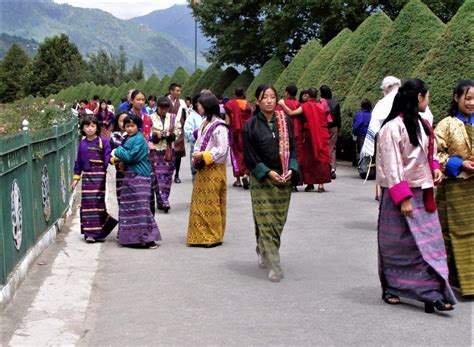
(406, 208)
(437, 176)
(468, 166)
(281, 102)
(288, 176)
(275, 177)
(197, 156)
(74, 184)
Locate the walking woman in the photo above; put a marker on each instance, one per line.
(270, 155)
(455, 196)
(412, 256)
(105, 118)
(166, 129)
(207, 217)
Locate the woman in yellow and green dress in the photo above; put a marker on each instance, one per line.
(455, 196)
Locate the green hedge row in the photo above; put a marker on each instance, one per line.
(269, 73)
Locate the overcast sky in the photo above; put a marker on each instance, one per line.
(124, 9)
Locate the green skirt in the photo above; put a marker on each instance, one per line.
(456, 211)
(270, 203)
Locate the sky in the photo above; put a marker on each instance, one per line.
(124, 9)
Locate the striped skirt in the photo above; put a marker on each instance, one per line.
(163, 171)
(270, 203)
(412, 256)
(95, 221)
(207, 217)
(136, 222)
(455, 198)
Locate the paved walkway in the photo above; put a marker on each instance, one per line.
(103, 294)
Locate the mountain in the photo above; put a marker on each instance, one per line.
(6, 41)
(91, 29)
(176, 21)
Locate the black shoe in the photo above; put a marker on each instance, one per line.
(295, 189)
(166, 208)
(309, 188)
(391, 299)
(245, 183)
(333, 174)
(440, 305)
(177, 180)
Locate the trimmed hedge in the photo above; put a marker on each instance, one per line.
(180, 76)
(296, 68)
(342, 70)
(269, 73)
(212, 73)
(152, 85)
(243, 80)
(225, 79)
(190, 84)
(398, 53)
(449, 60)
(164, 86)
(315, 70)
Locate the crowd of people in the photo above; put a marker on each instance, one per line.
(425, 176)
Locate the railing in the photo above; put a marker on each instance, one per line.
(35, 173)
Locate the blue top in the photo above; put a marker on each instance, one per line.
(361, 123)
(463, 119)
(134, 152)
(123, 107)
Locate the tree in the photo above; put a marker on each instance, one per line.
(297, 66)
(449, 60)
(57, 65)
(250, 32)
(401, 49)
(12, 70)
(136, 73)
(268, 74)
(212, 73)
(315, 69)
(122, 65)
(190, 84)
(180, 76)
(243, 80)
(225, 79)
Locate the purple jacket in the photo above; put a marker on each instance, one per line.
(82, 160)
(361, 123)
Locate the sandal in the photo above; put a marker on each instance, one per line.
(391, 299)
(440, 305)
(321, 190)
(237, 184)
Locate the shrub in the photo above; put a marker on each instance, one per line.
(190, 85)
(398, 53)
(295, 69)
(152, 84)
(180, 76)
(449, 60)
(225, 79)
(163, 89)
(212, 73)
(269, 73)
(243, 80)
(314, 71)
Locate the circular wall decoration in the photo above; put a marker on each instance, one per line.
(45, 193)
(63, 180)
(17, 215)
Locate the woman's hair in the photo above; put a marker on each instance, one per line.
(195, 101)
(365, 104)
(116, 121)
(406, 103)
(103, 101)
(151, 98)
(210, 104)
(133, 119)
(163, 101)
(261, 89)
(133, 96)
(325, 92)
(303, 92)
(87, 120)
(462, 88)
